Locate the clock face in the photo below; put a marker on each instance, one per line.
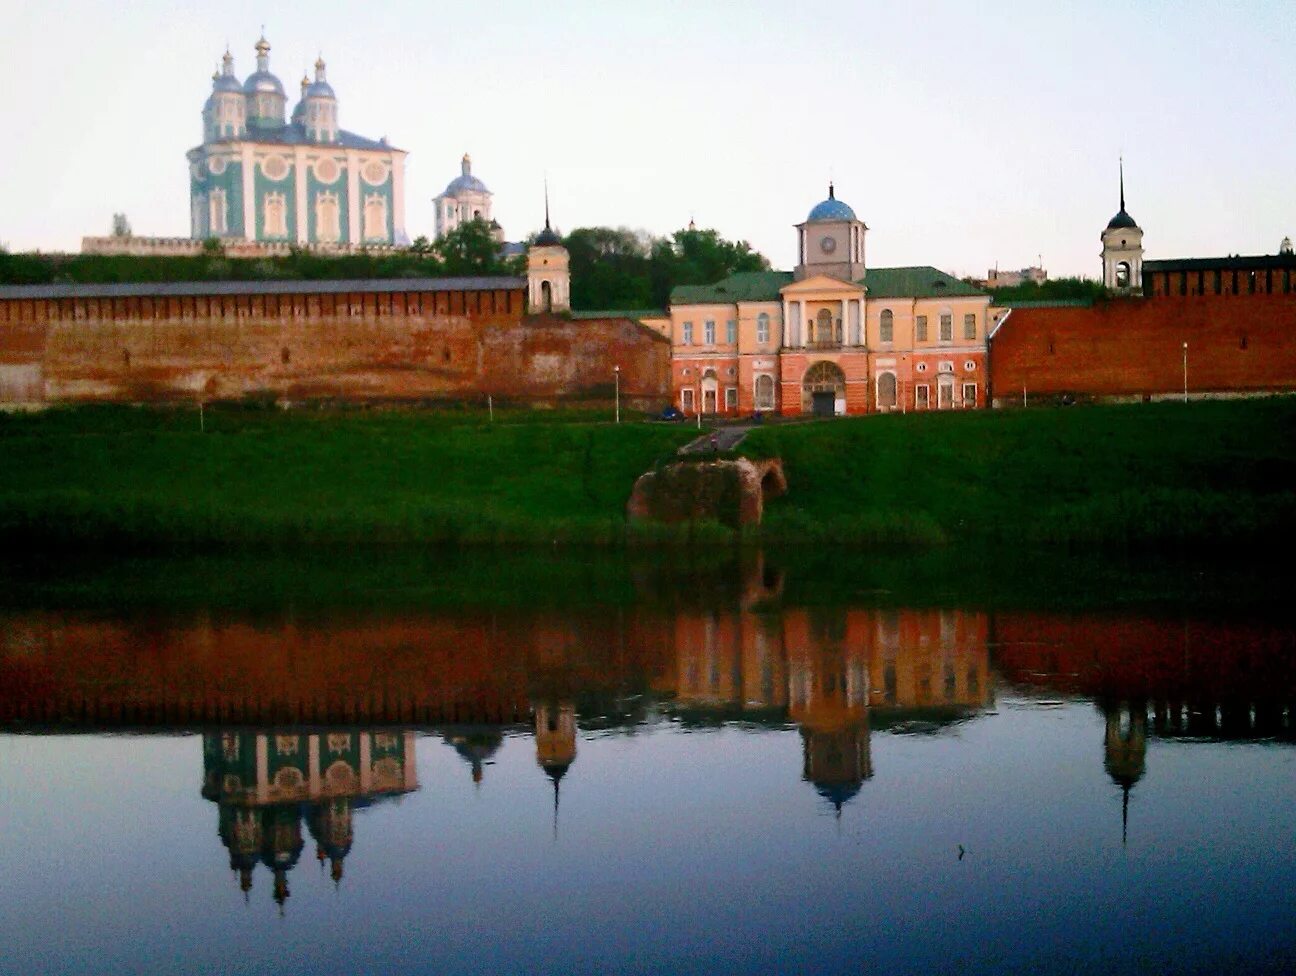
(828, 245)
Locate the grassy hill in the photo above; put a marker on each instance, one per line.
(1166, 474)
(1169, 475)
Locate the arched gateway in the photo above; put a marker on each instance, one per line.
(823, 390)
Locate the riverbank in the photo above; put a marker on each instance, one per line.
(1164, 475)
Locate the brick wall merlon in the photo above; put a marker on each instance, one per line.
(175, 289)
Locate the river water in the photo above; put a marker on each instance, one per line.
(569, 764)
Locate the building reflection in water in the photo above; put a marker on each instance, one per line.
(265, 784)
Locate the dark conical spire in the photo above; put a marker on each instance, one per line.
(547, 237)
(832, 193)
(1122, 182)
(547, 200)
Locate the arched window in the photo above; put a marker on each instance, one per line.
(822, 327)
(886, 390)
(375, 217)
(546, 296)
(887, 331)
(762, 327)
(275, 217)
(764, 392)
(1122, 274)
(327, 223)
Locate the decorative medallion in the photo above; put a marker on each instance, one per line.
(828, 245)
(274, 167)
(217, 165)
(327, 170)
(374, 173)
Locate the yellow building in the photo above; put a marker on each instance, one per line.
(831, 337)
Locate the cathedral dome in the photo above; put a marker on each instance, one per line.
(319, 88)
(226, 83)
(263, 81)
(831, 209)
(465, 181)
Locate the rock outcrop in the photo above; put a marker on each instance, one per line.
(732, 492)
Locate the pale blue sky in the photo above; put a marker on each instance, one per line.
(963, 134)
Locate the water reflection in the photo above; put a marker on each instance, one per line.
(920, 728)
(265, 784)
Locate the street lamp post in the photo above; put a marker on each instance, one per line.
(1185, 371)
(616, 378)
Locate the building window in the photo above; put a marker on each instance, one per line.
(1122, 274)
(765, 392)
(275, 216)
(762, 327)
(731, 398)
(686, 400)
(920, 329)
(921, 367)
(218, 211)
(708, 333)
(886, 390)
(887, 329)
(921, 396)
(375, 217)
(686, 339)
(969, 325)
(327, 222)
(946, 327)
(969, 395)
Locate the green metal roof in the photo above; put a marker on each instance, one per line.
(745, 286)
(922, 281)
(621, 313)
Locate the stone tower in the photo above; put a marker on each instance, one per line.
(1122, 253)
(831, 241)
(548, 276)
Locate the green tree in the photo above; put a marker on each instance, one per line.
(470, 249)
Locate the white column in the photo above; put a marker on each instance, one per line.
(353, 197)
(365, 761)
(262, 767)
(249, 194)
(803, 326)
(845, 321)
(299, 174)
(411, 770)
(398, 197)
(787, 325)
(313, 764)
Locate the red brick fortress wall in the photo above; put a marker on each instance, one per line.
(355, 344)
(1133, 347)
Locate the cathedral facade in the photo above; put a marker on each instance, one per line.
(831, 337)
(261, 176)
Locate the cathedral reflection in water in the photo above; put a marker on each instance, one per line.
(305, 722)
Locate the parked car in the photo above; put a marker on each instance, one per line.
(671, 413)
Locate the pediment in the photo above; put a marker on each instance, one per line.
(821, 284)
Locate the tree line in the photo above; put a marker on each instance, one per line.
(611, 268)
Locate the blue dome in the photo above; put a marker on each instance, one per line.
(320, 89)
(263, 81)
(460, 183)
(226, 83)
(831, 209)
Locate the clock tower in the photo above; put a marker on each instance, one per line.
(831, 241)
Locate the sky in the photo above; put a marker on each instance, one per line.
(966, 135)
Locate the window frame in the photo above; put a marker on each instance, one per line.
(886, 326)
(708, 332)
(763, 327)
(920, 328)
(969, 326)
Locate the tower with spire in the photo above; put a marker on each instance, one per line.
(1122, 251)
(548, 271)
(258, 176)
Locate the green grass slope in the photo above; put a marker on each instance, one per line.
(1168, 474)
(134, 478)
